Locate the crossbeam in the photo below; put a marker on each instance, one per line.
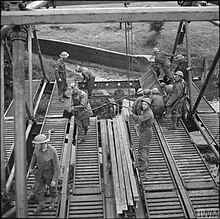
(109, 15)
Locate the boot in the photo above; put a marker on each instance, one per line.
(178, 122)
(80, 140)
(65, 96)
(174, 122)
(61, 99)
(52, 204)
(143, 167)
(39, 208)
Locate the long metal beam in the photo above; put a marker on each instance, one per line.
(109, 15)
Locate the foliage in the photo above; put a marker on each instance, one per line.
(156, 26)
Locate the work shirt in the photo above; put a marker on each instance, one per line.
(82, 108)
(60, 69)
(157, 104)
(145, 119)
(182, 66)
(87, 74)
(177, 92)
(162, 59)
(47, 162)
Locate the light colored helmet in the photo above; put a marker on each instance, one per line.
(78, 68)
(147, 100)
(162, 85)
(169, 88)
(74, 85)
(39, 139)
(155, 91)
(64, 55)
(179, 73)
(146, 92)
(155, 49)
(179, 57)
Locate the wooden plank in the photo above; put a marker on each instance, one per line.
(109, 15)
(124, 165)
(119, 165)
(129, 160)
(108, 184)
(114, 168)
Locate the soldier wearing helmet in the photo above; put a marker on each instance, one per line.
(145, 120)
(182, 66)
(175, 99)
(163, 64)
(61, 75)
(136, 107)
(157, 102)
(82, 110)
(46, 168)
(88, 78)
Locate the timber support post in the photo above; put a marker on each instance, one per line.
(177, 39)
(215, 61)
(39, 54)
(188, 51)
(18, 37)
(2, 118)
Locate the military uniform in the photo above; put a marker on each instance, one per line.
(145, 120)
(89, 79)
(60, 73)
(175, 101)
(82, 111)
(157, 104)
(48, 170)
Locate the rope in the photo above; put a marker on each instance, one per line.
(129, 43)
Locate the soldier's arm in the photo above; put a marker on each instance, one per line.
(56, 165)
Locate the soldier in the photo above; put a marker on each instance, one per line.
(82, 111)
(88, 77)
(136, 107)
(157, 103)
(162, 62)
(182, 66)
(176, 98)
(46, 168)
(61, 75)
(145, 120)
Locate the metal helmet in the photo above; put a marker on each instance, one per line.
(179, 73)
(146, 92)
(39, 139)
(155, 91)
(64, 55)
(74, 85)
(169, 88)
(147, 100)
(162, 85)
(78, 68)
(179, 57)
(155, 49)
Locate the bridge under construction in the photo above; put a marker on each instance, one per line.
(99, 178)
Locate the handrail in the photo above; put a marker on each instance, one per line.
(65, 169)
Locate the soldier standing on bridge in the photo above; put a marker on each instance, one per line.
(46, 168)
(82, 110)
(157, 103)
(61, 75)
(88, 77)
(145, 120)
(137, 105)
(182, 66)
(175, 99)
(163, 64)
